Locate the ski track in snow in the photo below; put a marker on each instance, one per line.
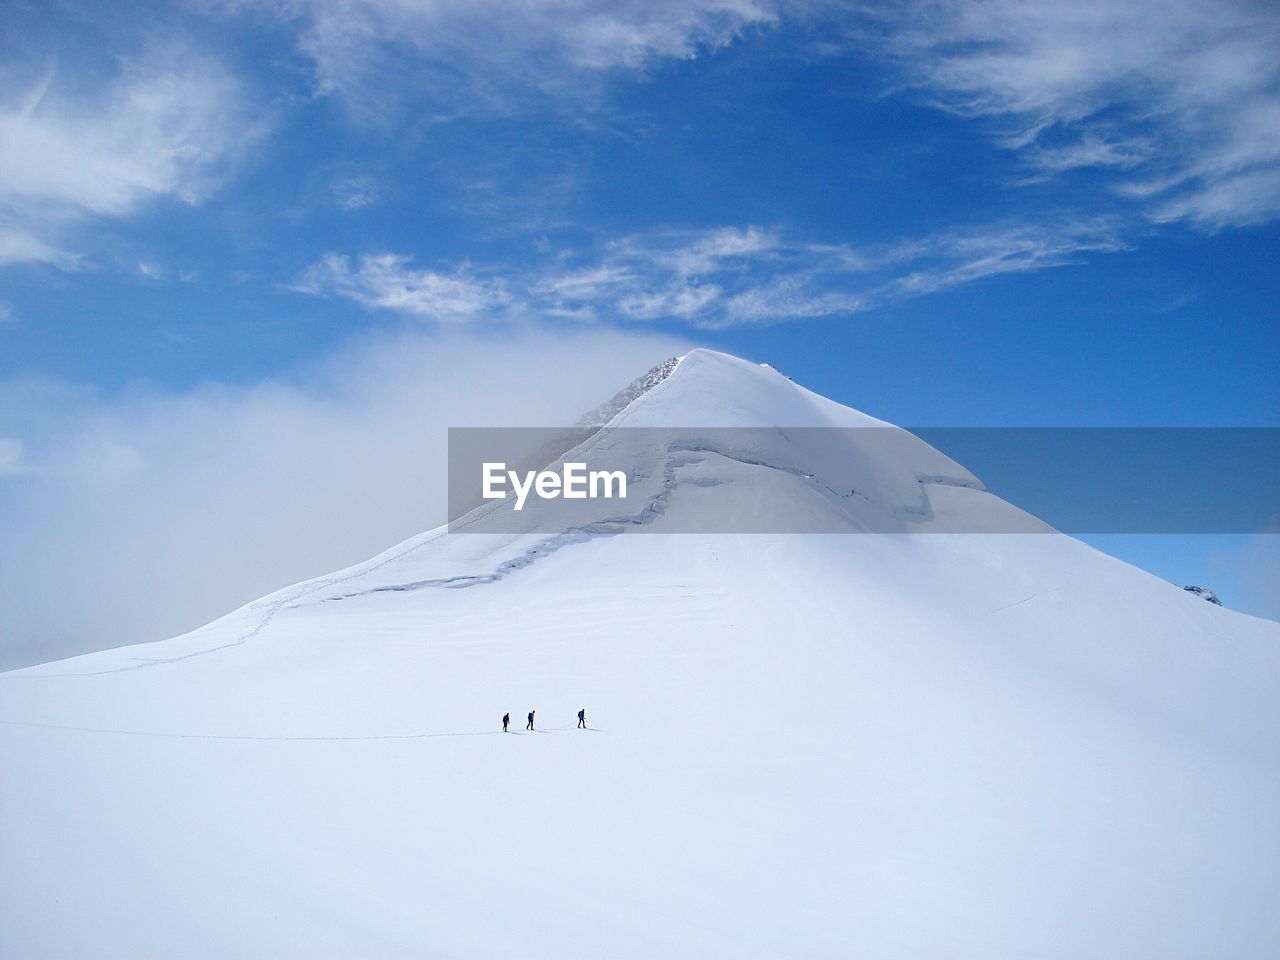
(653, 508)
(300, 591)
(269, 737)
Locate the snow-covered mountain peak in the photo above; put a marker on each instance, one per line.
(967, 746)
(713, 443)
(604, 413)
(706, 388)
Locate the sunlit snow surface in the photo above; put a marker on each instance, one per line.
(914, 745)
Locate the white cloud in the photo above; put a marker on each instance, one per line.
(720, 277)
(1091, 150)
(789, 298)
(1174, 102)
(388, 281)
(353, 193)
(19, 246)
(168, 124)
(136, 517)
(497, 52)
(732, 276)
(677, 301)
(588, 284)
(956, 257)
(1181, 98)
(718, 248)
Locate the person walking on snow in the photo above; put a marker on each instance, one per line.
(582, 719)
(529, 725)
(506, 718)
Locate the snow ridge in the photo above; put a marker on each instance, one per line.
(633, 391)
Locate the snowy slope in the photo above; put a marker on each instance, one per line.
(878, 745)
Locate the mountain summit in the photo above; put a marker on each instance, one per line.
(904, 743)
(714, 444)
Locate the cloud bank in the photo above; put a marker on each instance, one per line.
(138, 517)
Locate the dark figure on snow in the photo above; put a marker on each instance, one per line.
(582, 719)
(506, 718)
(529, 725)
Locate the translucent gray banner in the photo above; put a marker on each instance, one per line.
(864, 480)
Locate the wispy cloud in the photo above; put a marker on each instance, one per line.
(457, 53)
(390, 281)
(354, 192)
(722, 277)
(957, 257)
(1093, 149)
(19, 246)
(1178, 99)
(730, 277)
(168, 124)
(1174, 103)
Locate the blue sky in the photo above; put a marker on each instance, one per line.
(942, 213)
